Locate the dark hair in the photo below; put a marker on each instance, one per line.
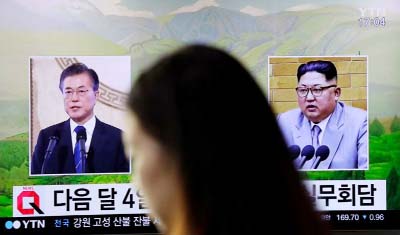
(203, 105)
(321, 66)
(79, 68)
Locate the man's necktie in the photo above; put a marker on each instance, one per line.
(316, 130)
(77, 155)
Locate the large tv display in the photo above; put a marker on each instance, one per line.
(353, 181)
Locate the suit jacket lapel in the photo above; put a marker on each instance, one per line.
(333, 135)
(98, 140)
(302, 132)
(65, 154)
(302, 136)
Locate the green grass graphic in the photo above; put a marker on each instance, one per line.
(14, 170)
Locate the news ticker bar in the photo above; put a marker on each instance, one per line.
(133, 224)
(82, 224)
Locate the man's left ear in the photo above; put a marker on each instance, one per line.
(338, 91)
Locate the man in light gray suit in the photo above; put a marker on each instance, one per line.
(322, 119)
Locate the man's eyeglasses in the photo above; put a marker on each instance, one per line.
(69, 93)
(315, 90)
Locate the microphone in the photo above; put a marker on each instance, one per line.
(50, 147)
(321, 154)
(306, 154)
(81, 139)
(294, 151)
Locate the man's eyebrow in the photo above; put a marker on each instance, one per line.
(70, 88)
(310, 85)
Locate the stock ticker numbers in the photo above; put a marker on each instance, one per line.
(348, 217)
(360, 217)
(376, 217)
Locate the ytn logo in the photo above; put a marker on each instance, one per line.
(26, 224)
(372, 12)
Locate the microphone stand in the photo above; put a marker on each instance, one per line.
(52, 143)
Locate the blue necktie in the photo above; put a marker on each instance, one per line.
(77, 155)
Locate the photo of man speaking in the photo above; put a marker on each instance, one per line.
(83, 143)
(329, 133)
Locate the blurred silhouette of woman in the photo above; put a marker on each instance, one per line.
(208, 154)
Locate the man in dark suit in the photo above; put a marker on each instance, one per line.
(104, 151)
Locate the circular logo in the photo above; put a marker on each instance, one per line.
(9, 225)
(16, 224)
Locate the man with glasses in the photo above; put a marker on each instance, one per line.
(104, 151)
(322, 119)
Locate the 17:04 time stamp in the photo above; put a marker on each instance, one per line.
(372, 21)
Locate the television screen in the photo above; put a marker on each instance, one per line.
(353, 179)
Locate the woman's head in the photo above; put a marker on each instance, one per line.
(208, 147)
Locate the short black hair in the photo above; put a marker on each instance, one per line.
(79, 68)
(321, 66)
